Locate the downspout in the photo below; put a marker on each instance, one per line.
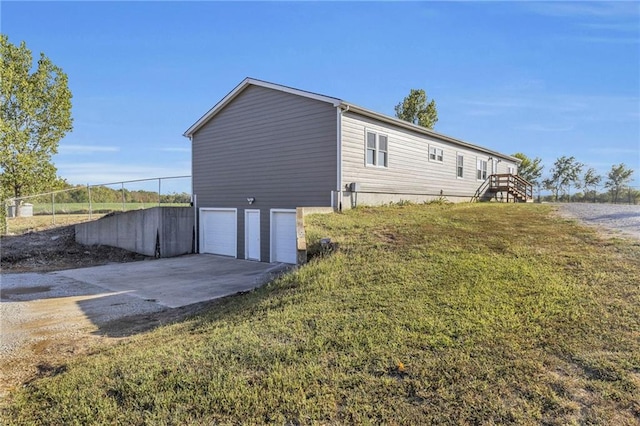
(194, 202)
(340, 188)
(338, 205)
(196, 235)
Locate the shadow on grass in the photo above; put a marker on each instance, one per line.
(114, 314)
(141, 323)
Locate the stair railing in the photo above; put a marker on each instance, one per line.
(481, 189)
(514, 184)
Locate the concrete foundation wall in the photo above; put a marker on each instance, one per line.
(353, 199)
(176, 231)
(168, 229)
(301, 239)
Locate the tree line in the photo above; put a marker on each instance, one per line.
(567, 173)
(104, 194)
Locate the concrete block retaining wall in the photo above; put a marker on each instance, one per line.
(169, 229)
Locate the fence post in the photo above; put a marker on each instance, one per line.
(53, 208)
(90, 208)
(159, 189)
(122, 196)
(5, 217)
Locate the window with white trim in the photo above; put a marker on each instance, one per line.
(377, 149)
(511, 170)
(481, 169)
(436, 154)
(460, 165)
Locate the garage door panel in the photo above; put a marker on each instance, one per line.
(219, 232)
(283, 237)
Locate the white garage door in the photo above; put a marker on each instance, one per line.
(283, 236)
(218, 231)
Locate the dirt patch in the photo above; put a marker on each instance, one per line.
(55, 249)
(41, 336)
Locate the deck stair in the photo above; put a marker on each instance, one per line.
(514, 187)
(517, 189)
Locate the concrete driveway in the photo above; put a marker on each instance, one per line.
(178, 281)
(47, 316)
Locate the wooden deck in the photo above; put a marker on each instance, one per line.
(513, 187)
(505, 188)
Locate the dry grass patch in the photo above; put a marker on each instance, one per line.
(20, 225)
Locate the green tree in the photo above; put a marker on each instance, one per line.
(35, 113)
(617, 177)
(634, 195)
(591, 179)
(565, 172)
(414, 109)
(530, 170)
(3, 212)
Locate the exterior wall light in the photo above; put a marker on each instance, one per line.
(251, 200)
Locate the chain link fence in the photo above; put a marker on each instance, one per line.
(599, 194)
(87, 202)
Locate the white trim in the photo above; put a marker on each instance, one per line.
(196, 218)
(241, 87)
(246, 235)
(419, 129)
(377, 134)
(336, 103)
(342, 104)
(436, 148)
(271, 240)
(292, 90)
(459, 154)
(486, 169)
(235, 240)
(339, 159)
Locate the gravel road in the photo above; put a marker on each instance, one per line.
(619, 218)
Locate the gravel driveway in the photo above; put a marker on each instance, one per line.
(45, 319)
(619, 218)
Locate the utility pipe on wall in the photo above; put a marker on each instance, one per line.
(339, 111)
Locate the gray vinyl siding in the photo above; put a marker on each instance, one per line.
(277, 147)
(409, 169)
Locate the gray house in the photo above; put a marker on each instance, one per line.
(265, 150)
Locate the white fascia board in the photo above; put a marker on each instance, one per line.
(318, 97)
(243, 85)
(410, 126)
(217, 107)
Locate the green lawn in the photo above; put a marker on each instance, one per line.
(76, 208)
(455, 314)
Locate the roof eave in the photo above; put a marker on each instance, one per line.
(255, 82)
(424, 130)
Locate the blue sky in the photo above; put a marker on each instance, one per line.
(543, 78)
